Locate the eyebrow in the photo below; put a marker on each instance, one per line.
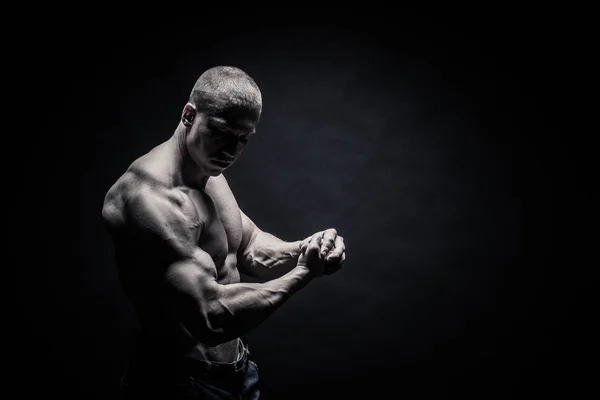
(218, 119)
(221, 120)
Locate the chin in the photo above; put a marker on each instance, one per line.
(215, 170)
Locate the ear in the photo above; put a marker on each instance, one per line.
(188, 115)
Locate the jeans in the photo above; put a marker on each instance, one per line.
(194, 379)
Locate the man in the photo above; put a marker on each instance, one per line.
(181, 242)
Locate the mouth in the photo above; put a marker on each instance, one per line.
(222, 162)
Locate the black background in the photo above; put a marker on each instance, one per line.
(442, 148)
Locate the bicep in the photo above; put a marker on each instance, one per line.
(193, 295)
(193, 281)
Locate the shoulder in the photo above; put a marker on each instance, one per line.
(217, 183)
(138, 201)
(218, 188)
(153, 219)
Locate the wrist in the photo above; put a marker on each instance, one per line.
(303, 273)
(294, 249)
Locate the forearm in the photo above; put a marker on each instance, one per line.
(271, 257)
(237, 308)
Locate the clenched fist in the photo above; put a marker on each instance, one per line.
(330, 248)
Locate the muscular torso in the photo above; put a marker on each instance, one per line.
(219, 233)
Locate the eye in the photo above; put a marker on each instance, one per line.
(219, 130)
(217, 125)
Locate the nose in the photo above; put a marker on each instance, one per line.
(232, 148)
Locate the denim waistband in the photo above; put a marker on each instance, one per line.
(186, 367)
(203, 366)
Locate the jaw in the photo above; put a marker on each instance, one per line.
(207, 168)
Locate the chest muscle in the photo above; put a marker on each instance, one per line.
(222, 228)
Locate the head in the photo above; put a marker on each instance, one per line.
(220, 117)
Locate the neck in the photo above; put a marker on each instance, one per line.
(188, 172)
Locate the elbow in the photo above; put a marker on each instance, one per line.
(216, 324)
(109, 215)
(198, 305)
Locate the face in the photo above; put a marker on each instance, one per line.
(216, 139)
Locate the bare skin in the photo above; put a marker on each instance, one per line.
(181, 242)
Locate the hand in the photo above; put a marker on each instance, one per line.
(311, 256)
(332, 248)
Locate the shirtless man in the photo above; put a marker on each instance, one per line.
(181, 242)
